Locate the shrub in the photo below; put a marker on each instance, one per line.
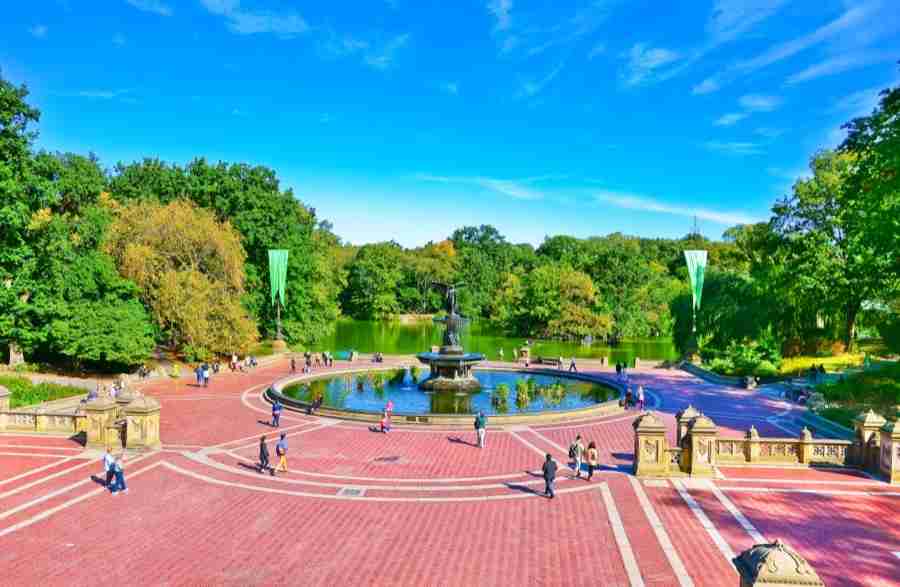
(25, 393)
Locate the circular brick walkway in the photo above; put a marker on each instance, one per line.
(424, 506)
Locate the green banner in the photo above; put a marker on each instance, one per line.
(278, 259)
(696, 264)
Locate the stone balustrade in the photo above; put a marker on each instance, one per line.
(700, 448)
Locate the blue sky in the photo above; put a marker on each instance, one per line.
(402, 119)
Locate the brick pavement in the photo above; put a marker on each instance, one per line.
(420, 506)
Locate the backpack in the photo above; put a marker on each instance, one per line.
(572, 451)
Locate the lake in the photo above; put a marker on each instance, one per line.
(395, 338)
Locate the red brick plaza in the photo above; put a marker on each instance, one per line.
(422, 506)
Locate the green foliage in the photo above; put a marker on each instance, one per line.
(748, 357)
(877, 388)
(889, 329)
(372, 282)
(415, 372)
(25, 393)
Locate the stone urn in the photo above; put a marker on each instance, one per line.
(775, 564)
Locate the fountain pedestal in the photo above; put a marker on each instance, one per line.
(451, 366)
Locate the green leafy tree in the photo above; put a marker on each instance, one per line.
(372, 281)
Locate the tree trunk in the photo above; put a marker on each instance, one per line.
(852, 311)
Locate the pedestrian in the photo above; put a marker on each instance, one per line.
(276, 414)
(264, 457)
(549, 471)
(480, 426)
(109, 462)
(281, 453)
(629, 398)
(640, 397)
(593, 459)
(293, 365)
(500, 352)
(318, 360)
(120, 477)
(233, 362)
(576, 453)
(205, 375)
(618, 369)
(385, 421)
(572, 366)
(389, 407)
(559, 363)
(198, 373)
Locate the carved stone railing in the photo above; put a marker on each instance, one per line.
(700, 450)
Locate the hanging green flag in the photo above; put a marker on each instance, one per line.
(278, 259)
(696, 263)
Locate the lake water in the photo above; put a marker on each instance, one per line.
(370, 392)
(395, 338)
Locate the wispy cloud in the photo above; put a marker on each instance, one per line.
(154, 6)
(597, 49)
(850, 20)
(734, 147)
(119, 40)
(519, 189)
(643, 61)
(859, 103)
(500, 10)
(533, 87)
(730, 119)
(759, 102)
(769, 132)
(732, 18)
(38, 31)
(382, 57)
(646, 204)
(840, 64)
(450, 88)
(249, 22)
(100, 94)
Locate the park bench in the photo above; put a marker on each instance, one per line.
(548, 361)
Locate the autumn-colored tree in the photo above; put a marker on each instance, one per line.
(190, 270)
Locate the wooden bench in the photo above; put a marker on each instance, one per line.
(548, 361)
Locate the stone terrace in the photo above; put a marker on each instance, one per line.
(423, 506)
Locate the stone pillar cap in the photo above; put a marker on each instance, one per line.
(100, 403)
(687, 413)
(892, 426)
(647, 422)
(702, 422)
(142, 404)
(775, 564)
(870, 418)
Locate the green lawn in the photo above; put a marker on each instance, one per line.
(25, 393)
(877, 389)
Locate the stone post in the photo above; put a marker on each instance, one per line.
(701, 438)
(804, 451)
(683, 418)
(752, 445)
(651, 455)
(4, 407)
(142, 424)
(868, 435)
(775, 564)
(101, 413)
(889, 463)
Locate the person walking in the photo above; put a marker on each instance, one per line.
(198, 373)
(618, 369)
(385, 421)
(293, 365)
(389, 407)
(572, 367)
(576, 453)
(264, 457)
(480, 425)
(640, 397)
(500, 352)
(205, 374)
(593, 459)
(281, 453)
(119, 483)
(549, 472)
(109, 463)
(276, 414)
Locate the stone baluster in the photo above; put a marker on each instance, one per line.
(805, 448)
(651, 455)
(751, 445)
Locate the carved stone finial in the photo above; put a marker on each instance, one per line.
(775, 563)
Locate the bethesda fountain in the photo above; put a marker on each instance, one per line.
(451, 367)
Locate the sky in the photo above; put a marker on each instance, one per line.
(403, 120)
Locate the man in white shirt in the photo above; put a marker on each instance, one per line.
(109, 463)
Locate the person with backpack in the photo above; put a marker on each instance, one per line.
(576, 453)
(293, 365)
(119, 483)
(549, 472)
(480, 425)
(640, 397)
(109, 468)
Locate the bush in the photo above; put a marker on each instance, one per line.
(25, 393)
(890, 332)
(765, 369)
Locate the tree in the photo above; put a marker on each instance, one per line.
(190, 271)
(372, 282)
(824, 225)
